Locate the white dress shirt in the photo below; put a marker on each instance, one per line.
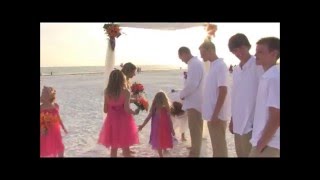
(268, 95)
(217, 76)
(192, 91)
(243, 96)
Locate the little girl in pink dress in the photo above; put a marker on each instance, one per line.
(51, 144)
(119, 129)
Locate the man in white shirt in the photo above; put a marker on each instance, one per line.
(216, 107)
(266, 125)
(244, 91)
(192, 96)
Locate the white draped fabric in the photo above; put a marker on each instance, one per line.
(109, 64)
(162, 26)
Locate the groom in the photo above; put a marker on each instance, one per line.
(192, 96)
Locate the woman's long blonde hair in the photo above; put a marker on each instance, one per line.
(160, 100)
(117, 82)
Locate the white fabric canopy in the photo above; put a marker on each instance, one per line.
(162, 26)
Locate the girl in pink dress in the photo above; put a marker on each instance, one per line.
(119, 129)
(51, 144)
(162, 132)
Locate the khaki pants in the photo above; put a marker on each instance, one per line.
(218, 138)
(195, 123)
(267, 152)
(243, 145)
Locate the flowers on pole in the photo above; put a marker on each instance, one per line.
(113, 32)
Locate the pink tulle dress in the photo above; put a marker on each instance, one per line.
(51, 143)
(119, 129)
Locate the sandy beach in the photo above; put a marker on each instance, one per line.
(81, 108)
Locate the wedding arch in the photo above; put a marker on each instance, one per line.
(113, 31)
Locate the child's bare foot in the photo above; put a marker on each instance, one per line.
(132, 152)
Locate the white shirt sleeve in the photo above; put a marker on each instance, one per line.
(193, 80)
(273, 99)
(222, 76)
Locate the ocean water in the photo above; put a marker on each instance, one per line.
(97, 69)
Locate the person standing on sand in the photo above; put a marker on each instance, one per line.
(192, 96)
(179, 117)
(51, 144)
(162, 132)
(266, 125)
(244, 91)
(129, 70)
(119, 129)
(216, 105)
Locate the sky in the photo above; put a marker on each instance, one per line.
(85, 44)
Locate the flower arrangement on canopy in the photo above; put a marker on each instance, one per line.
(113, 31)
(211, 30)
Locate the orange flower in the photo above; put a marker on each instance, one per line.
(211, 29)
(46, 120)
(137, 88)
(112, 30)
(142, 103)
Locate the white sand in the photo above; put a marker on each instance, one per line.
(81, 102)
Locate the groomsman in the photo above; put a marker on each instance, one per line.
(266, 125)
(192, 96)
(244, 91)
(216, 100)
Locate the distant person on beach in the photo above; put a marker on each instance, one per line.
(129, 70)
(162, 132)
(266, 125)
(51, 73)
(216, 104)
(244, 91)
(119, 129)
(192, 96)
(51, 144)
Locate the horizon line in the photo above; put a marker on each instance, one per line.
(116, 65)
